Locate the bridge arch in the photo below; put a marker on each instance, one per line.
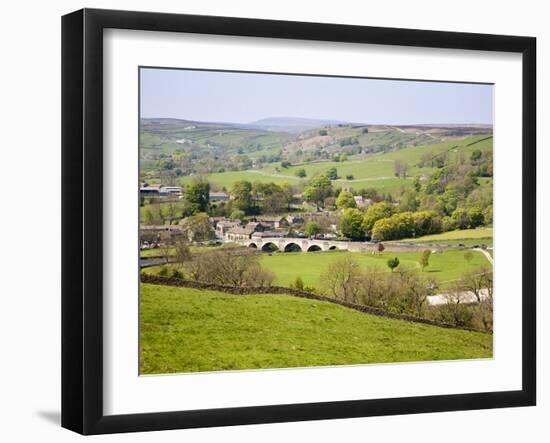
(314, 248)
(269, 247)
(253, 245)
(293, 247)
(332, 248)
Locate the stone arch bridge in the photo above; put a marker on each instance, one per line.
(284, 244)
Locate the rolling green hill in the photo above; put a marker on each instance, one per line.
(369, 171)
(188, 330)
(229, 152)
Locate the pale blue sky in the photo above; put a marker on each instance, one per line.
(244, 98)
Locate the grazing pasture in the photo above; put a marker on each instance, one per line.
(466, 237)
(189, 330)
(370, 171)
(446, 266)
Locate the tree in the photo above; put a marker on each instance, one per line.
(318, 189)
(488, 215)
(476, 217)
(480, 283)
(298, 283)
(393, 263)
(342, 279)
(345, 200)
(285, 164)
(312, 229)
(332, 174)
(323, 132)
(301, 173)
(461, 218)
(417, 185)
(237, 214)
(242, 196)
(166, 245)
(381, 247)
(409, 201)
(148, 218)
(350, 177)
(455, 310)
(288, 194)
(425, 258)
(401, 168)
(182, 253)
(198, 228)
(475, 155)
(376, 212)
(229, 269)
(351, 224)
(270, 196)
(197, 196)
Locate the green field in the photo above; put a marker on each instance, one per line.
(187, 330)
(466, 237)
(177, 206)
(446, 267)
(227, 179)
(373, 171)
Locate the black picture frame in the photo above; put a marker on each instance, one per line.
(82, 218)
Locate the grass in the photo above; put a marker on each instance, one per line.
(187, 330)
(227, 179)
(164, 207)
(374, 171)
(446, 266)
(144, 253)
(475, 235)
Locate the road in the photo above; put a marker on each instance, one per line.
(465, 297)
(486, 254)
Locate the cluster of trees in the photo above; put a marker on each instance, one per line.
(406, 291)
(197, 228)
(260, 198)
(458, 308)
(227, 266)
(406, 225)
(448, 199)
(382, 221)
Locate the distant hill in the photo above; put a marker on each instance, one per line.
(291, 124)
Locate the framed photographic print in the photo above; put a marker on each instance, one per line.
(269, 221)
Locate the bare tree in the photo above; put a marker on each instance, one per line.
(480, 283)
(166, 246)
(182, 253)
(229, 268)
(455, 309)
(342, 279)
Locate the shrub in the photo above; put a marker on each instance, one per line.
(298, 283)
(393, 263)
(176, 273)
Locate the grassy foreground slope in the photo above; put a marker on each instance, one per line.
(187, 330)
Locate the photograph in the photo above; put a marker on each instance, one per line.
(306, 221)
